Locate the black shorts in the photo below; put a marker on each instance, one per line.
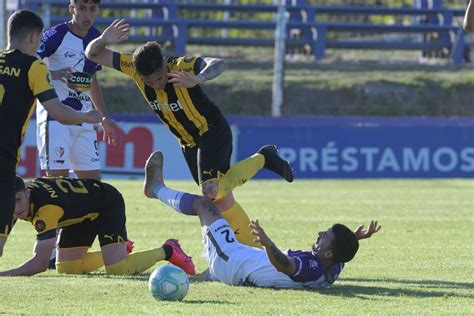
(109, 225)
(212, 153)
(7, 195)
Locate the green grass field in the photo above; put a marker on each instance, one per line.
(421, 262)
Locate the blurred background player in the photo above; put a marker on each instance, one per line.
(237, 264)
(469, 17)
(84, 209)
(24, 79)
(171, 86)
(74, 77)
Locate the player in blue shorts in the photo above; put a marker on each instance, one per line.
(237, 264)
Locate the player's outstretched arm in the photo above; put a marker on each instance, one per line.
(279, 260)
(37, 264)
(210, 69)
(115, 33)
(362, 233)
(68, 116)
(469, 17)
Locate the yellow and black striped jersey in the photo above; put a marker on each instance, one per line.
(57, 202)
(23, 78)
(188, 113)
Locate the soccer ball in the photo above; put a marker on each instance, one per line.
(168, 283)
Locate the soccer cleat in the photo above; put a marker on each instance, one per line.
(180, 258)
(275, 163)
(130, 247)
(153, 173)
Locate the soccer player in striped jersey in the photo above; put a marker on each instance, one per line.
(172, 88)
(234, 263)
(84, 209)
(23, 79)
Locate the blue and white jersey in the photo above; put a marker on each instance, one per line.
(309, 272)
(61, 48)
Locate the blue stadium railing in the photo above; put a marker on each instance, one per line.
(166, 21)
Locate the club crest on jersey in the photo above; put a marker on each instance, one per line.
(40, 226)
(59, 151)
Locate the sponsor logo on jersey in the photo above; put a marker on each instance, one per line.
(77, 95)
(69, 54)
(126, 64)
(10, 71)
(174, 107)
(80, 81)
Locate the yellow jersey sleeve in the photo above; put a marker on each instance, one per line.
(47, 218)
(124, 64)
(187, 63)
(39, 79)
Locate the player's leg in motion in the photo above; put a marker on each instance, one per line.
(219, 188)
(181, 202)
(218, 184)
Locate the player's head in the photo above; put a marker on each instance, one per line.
(149, 63)
(337, 244)
(84, 13)
(25, 27)
(22, 199)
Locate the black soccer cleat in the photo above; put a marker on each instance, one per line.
(275, 163)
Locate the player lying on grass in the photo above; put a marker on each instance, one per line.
(237, 264)
(172, 86)
(83, 209)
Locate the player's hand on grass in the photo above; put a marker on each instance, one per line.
(109, 127)
(183, 79)
(259, 233)
(62, 74)
(116, 32)
(362, 233)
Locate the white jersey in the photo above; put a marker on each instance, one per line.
(237, 264)
(61, 48)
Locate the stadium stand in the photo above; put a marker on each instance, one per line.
(313, 27)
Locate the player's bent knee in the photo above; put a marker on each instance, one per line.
(210, 189)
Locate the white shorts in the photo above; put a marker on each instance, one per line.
(229, 261)
(67, 146)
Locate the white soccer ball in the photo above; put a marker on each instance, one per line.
(168, 283)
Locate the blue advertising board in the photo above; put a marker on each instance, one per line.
(361, 147)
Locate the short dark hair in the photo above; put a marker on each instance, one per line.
(345, 243)
(86, 1)
(19, 184)
(22, 23)
(148, 58)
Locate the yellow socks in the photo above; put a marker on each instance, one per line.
(239, 222)
(91, 262)
(239, 173)
(136, 262)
